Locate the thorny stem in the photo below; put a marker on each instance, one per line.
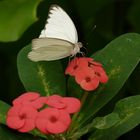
(59, 137)
(75, 117)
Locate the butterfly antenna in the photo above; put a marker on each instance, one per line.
(85, 51)
(69, 59)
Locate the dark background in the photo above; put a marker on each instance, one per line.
(111, 17)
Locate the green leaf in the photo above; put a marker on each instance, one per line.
(128, 110)
(105, 122)
(16, 17)
(74, 89)
(44, 77)
(4, 107)
(119, 58)
(99, 123)
(8, 134)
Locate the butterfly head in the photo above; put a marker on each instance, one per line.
(79, 44)
(77, 47)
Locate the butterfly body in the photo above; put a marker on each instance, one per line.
(76, 48)
(57, 40)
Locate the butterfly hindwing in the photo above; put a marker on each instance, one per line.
(48, 49)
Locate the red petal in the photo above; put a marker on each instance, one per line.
(90, 85)
(64, 117)
(45, 122)
(79, 77)
(48, 112)
(28, 126)
(73, 104)
(85, 72)
(61, 124)
(87, 59)
(76, 64)
(98, 69)
(55, 101)
(56, 128)
(28, 96)
(96, 63)
(29, 114)
(28, 111)
(103, 78)
(101, 74)
(71, 67)
(41, 125)
(44, 116)
(14, 122)
(14, 111)
(38, 103)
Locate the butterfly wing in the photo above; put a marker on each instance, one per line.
(59, 25)
(47, 49)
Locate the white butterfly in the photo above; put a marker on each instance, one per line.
(57, 40)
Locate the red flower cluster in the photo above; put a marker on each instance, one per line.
(28, 112)
(88, 73)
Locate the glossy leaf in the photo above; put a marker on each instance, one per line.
(7, 134)
(99, 123)
(4, 107)
(119, 58)
(105, 122)
(44, 77)
(128, 110)
(16, 17)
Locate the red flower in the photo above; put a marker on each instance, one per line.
(21, 118)
(76, 64)
(100, 73)
(87, 72)
(69, 104)
(31, 99)
(87, 79)
(24, 117)
(52, 120)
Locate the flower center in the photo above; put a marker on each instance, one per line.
(53, 119)
(90, 64)
(88, 79)
(23, 116)
(98, 74)
(75, 67)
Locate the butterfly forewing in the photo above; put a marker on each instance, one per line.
(59, 25)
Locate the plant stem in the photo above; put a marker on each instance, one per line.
(84, 97)
(75, 117)
(59, 137)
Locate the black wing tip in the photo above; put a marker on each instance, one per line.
(54, 5)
